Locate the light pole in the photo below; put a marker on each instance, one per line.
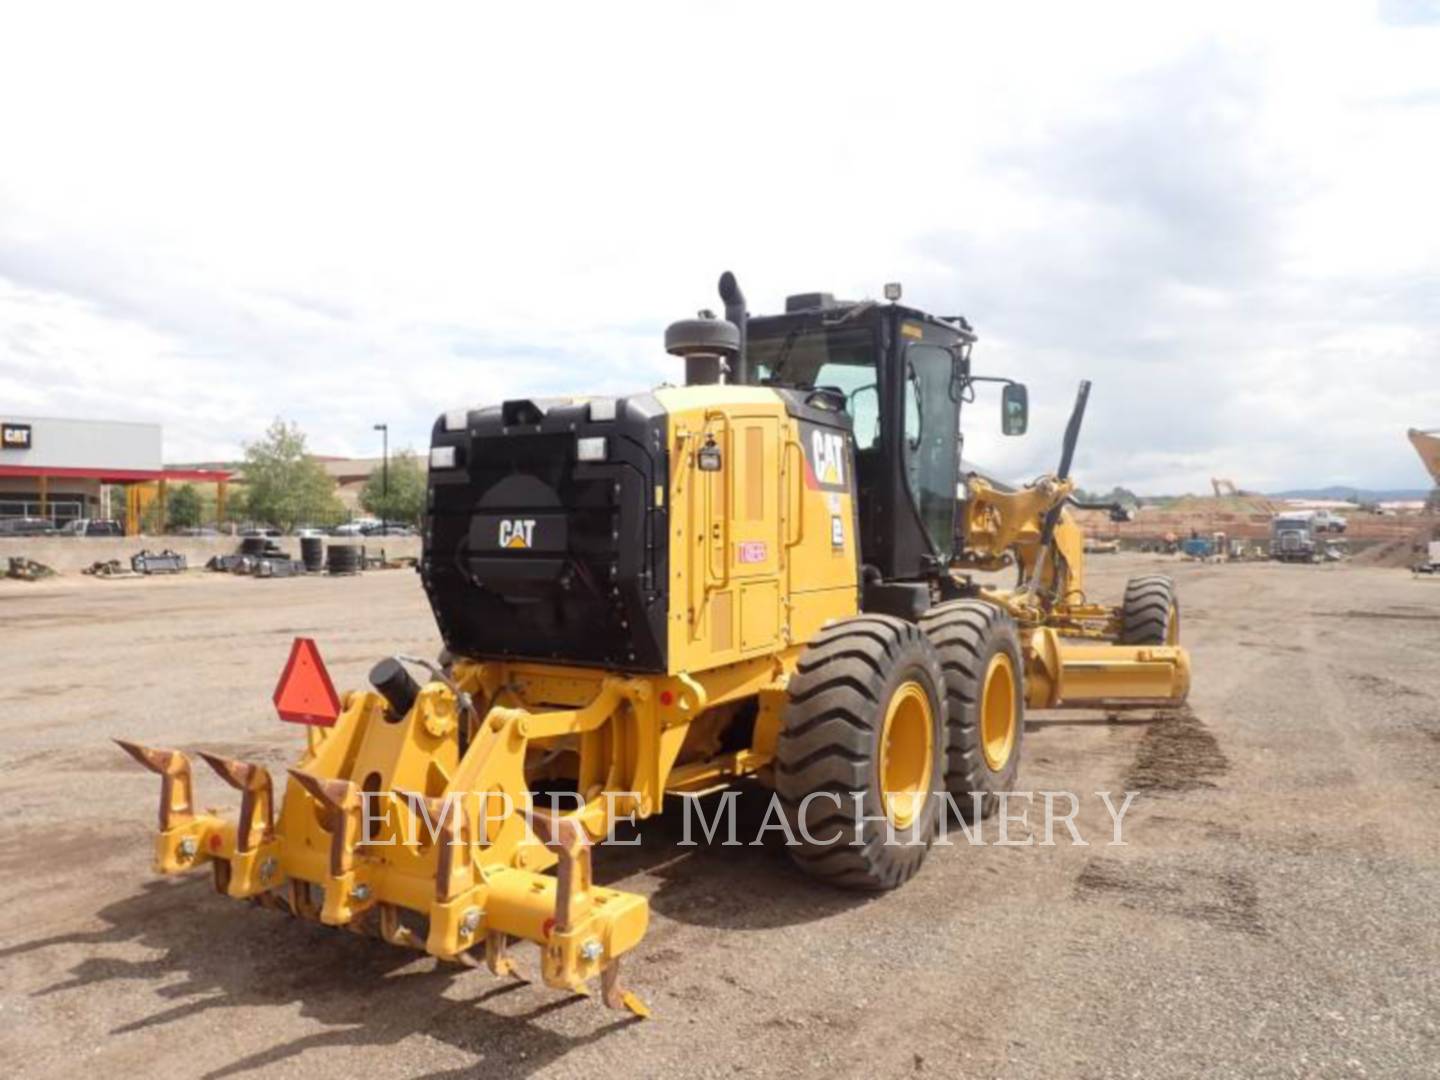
(384, 430)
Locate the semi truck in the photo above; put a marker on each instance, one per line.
(1292, 537)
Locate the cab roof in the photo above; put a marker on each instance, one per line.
(825, 305)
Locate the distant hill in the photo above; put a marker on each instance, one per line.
(1339, 491)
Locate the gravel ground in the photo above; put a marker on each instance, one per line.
(1273, 912)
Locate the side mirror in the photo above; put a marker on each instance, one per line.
(1014, 409)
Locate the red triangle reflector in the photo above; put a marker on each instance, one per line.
(305, 694)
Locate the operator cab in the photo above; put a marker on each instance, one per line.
(901, 375)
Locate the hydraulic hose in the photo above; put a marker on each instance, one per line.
(1052, 516)
(1067, 458)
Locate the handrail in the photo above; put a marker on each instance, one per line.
(724, 476)
(790, 483)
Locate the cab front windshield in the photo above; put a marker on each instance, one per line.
(840, 359)
(844, 359)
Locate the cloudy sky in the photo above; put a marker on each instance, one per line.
(1226, 215)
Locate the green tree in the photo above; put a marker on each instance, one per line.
(284, 485)
(183, 507)
(401, 496)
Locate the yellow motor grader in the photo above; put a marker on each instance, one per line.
(768, 572)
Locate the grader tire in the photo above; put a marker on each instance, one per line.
(1150, 614)
(985, 701)
(865, 715)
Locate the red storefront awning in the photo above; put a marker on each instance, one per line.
(116, 476)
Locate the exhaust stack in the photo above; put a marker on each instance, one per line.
(737, 316)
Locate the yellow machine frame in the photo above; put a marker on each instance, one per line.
(383, 816)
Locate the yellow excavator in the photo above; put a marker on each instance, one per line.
(1427, 445)
(771, 573)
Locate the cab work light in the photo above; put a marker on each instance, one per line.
(591, 448)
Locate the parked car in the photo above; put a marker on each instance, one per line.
(197, 530)
(92, 527)
(391, 528)
(26, 526)
(307, 530)
(260, 530)
(353, 528)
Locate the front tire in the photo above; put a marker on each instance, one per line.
(864, 723)
(985, 701)
(1150, 614)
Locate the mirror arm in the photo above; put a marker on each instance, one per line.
(967, 384)
(968, 379)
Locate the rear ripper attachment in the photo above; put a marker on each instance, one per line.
(411, 801)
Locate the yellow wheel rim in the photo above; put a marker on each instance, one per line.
(907, 754)
(997, 712)
(1172, 632)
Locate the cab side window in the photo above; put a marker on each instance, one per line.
(931, 441)
(862, 398)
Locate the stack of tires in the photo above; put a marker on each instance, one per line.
(312, 553)
(343, 559)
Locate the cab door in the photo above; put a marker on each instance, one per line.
(930, 441)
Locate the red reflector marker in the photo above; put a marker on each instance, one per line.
(305, 694)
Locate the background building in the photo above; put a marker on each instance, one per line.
(61, 469)
(350, 476)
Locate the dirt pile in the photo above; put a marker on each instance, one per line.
(1403, 550)
(1199, 505)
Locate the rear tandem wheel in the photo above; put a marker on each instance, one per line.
(985, 700)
